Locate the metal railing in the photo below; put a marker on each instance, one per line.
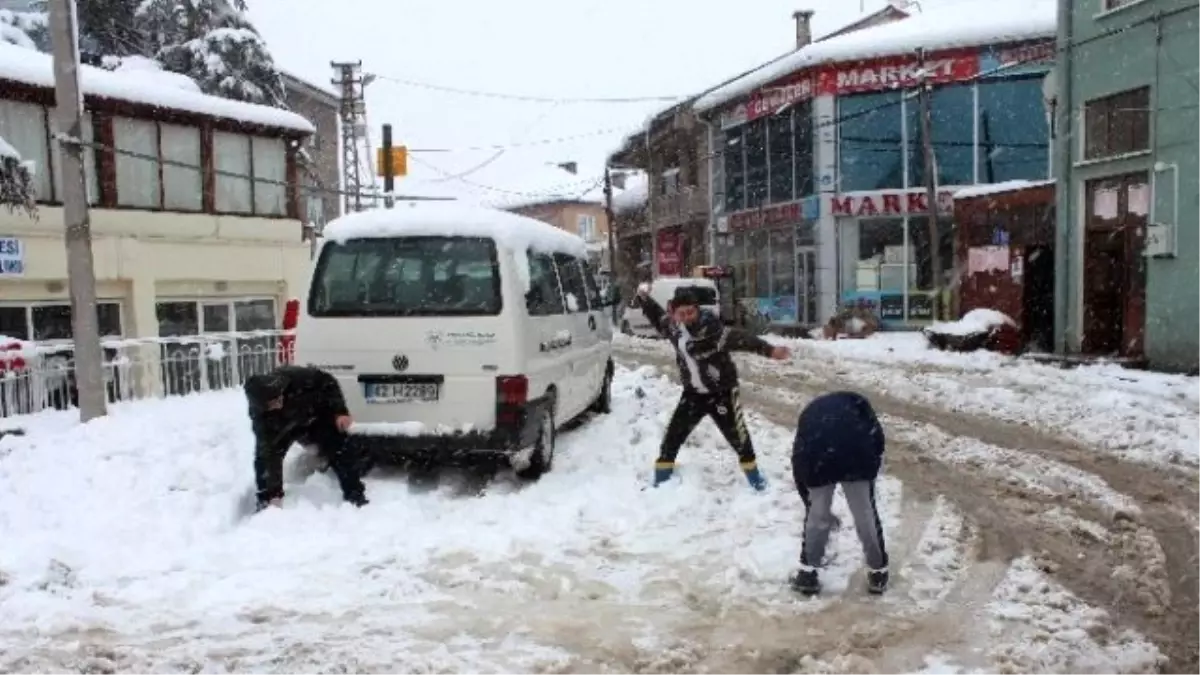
(37, 376)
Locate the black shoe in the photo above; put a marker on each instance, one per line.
(359, 501)
(877, 581)
(806, 582)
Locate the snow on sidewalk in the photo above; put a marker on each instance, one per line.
(121, 550)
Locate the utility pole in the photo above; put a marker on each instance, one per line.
(351, 84)
(935, 249)
(81, 273)
(389, 178)
(611, 217)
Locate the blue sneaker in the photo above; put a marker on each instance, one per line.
(663, 472)
(754, 476)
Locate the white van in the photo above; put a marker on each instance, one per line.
(459, 334)
(634, 321)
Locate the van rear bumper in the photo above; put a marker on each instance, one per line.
(472, 448)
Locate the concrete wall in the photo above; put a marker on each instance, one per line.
(1106, 64)
(141, 257)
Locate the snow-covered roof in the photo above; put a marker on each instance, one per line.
(986, 189)
(150, 72)
(938, 28)
(636, 192)
(36, 69)
(430, 218)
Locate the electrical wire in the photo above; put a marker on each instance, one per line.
(555, 100)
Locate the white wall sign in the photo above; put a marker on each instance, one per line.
(12, 257)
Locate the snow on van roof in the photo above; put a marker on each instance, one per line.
(454, 218)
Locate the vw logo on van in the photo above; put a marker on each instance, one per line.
(400, 362)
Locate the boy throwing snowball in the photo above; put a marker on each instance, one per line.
(710, 379)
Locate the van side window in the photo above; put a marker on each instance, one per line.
(544, 297)
(593, 289)
(570, 272)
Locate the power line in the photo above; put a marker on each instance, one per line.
(528, 144)
(557, 191)
(527, 98)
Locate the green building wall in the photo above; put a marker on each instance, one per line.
(1156, 43)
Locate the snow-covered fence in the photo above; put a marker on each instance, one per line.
(36, 376)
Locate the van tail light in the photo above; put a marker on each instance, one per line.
(512, 393)
(291, 318)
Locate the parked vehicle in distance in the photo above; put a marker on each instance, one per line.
(459, 334)
(634, 321)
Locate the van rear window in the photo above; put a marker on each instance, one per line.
(407, 276)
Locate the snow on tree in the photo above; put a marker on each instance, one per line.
(213, 43)
(25, 29)
(16, 181)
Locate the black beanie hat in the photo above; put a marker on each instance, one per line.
(685, 295)
(263, 388)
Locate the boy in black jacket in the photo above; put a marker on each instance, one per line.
(300, 405)
(839, 441)
(710, 380)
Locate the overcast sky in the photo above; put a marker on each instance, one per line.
(542, 48)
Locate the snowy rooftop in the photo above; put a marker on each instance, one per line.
(429, 218)
(35, 68)
(938, 28)
(986, 189)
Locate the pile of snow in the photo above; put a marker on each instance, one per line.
(510, 231)
(35, 68)
(150, 72)
(973, 322)
(936, 28)
(635, 194)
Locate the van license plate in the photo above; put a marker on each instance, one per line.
(401, 392)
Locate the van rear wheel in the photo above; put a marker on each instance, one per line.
(541, 459)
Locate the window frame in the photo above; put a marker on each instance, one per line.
(1129, 107)
(549, 309)
(28, 307)
(564, 260)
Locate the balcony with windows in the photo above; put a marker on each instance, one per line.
(158, 172)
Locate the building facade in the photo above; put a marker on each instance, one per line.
(820, 194)
(195, 216)
(321, 165)
(586, 219)
(667, 235)
(1127, 267)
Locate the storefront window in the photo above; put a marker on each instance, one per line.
(779, 141)
(783, 277)
(803, 159)
(919, 235)
(871, 148)
(953, 137)
(735, 170)
(1013, 135)
(757, 256)
(756, 164)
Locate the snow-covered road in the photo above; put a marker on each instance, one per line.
(122, 551)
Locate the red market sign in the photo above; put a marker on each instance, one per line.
(1036, 53)
(899, 203)
(897, 72)
(771, 216)
(670, 253)
(767, 102)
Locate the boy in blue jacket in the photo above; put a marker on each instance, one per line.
(839, 441)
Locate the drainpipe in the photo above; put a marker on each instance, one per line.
(1065, 207)
(710, 144)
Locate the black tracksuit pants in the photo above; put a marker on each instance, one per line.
(723, 407)
(331, 445)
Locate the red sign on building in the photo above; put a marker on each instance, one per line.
(771, 216)
(888, 203)
(670, 253)
(767, 102)
(897, 72)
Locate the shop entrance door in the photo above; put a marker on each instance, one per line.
(806, 286)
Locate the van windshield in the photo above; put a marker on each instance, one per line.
(407, 276)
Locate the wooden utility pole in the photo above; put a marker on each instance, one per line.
(81, 274)
(935, 249)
